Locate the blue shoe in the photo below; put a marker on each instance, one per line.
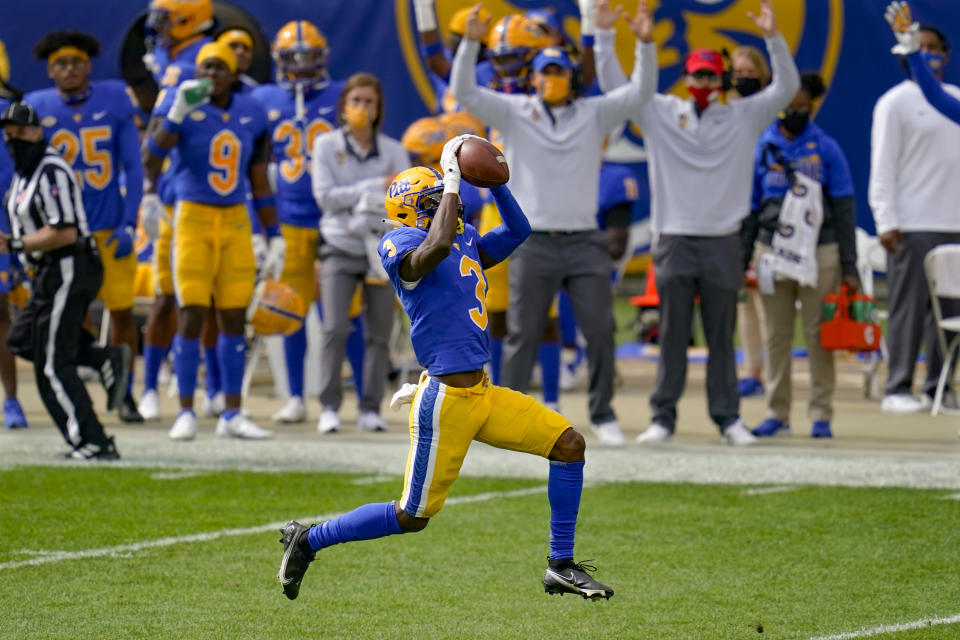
(821, 429)
(771, 427)
(13, 414)
(747, 387)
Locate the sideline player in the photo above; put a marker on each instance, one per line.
(435, 263)
(241, 42)
(222, 140)
(300, 106)
(92, 125)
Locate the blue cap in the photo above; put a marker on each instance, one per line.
(546, 17)
(552, 55)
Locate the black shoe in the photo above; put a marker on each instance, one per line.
(566, 576)
(128, 411)
(113, 374)
(107, 451)
(297, 556)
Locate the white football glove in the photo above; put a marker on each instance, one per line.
(404, 395)
(450, 165)
(426, 18)
(190, 95)
(259, 250)
(588, 17)
(273, 263)
(905, 29)
(151, 210)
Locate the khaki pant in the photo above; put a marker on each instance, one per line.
(780, 313)
(752, 331)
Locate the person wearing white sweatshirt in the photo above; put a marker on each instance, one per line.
(701, 165)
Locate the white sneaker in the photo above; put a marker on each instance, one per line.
(572, 379)
(293, 411)
(240, 426)
(213, 407)
(902, 403)
(610, 434)
(329, 421)
(184, 427)
(737, 435)
(656, 432)
(149, 405)
(165, 374)
(370, 421)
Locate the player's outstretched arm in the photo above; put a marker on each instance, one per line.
(432, 45)
(498, 243)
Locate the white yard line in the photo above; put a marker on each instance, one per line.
(47, 557)
(762, 491)
(374, 480)
(892, 628)
(178, 475)
(952, 496)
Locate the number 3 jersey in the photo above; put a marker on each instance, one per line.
(447, 310)
(98, 138)
(215, 149)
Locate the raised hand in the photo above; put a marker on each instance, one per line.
(475, 27)
(766, 21)
(904, 28)
(607, 17)
(642, 22)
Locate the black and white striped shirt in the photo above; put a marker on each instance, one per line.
(50, 197)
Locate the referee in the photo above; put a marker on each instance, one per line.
(50, 228)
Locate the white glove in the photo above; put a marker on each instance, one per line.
(450, 165)
(426, 18)
(904, 28)
(190, 95)
(588, 17)
(403, 396)
(273, 263)
(259, 250)
(151, 210)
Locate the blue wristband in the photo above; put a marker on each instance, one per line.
(587, 40)
(432, 49)
(265, 201)
(170, 126)
(272, 231)
(156, 149)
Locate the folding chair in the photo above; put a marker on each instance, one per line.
(942, 268)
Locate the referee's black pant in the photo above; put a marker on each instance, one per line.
(49, 332)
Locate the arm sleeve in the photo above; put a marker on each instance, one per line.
(499, 242)
(932, 90)
(765, 105)
(610, 74)
(57, 191)
(495, 109)
(617, 105)
(129, 147)
(328, 194)
(845, 220)
(884, 154)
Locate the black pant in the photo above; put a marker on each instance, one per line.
(49, 332)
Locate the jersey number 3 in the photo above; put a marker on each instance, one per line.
(470, 267)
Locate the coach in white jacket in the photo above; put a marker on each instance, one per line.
(701, 166)
(553, 142)
(914, 193)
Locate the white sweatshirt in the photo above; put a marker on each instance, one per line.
(554, 156)
(914, 163)
(701, 168)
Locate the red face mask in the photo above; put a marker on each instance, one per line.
(703, 96)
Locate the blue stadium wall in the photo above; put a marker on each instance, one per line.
(847, 40)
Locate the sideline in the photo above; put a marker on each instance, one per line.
(891, 628)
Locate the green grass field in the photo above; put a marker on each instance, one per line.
(101, 552)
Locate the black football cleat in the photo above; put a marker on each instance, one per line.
(297, 556)
(113, 374)
(128, 411)
(566, 576)
(104, 452)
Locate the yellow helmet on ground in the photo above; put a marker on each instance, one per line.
(179, 19)
(424, 140)
(275, 309)
(458, 123)
(300, 52)
(413, 197)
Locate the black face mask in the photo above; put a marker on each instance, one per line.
(25, 155)
(794, 122)
(747, 86)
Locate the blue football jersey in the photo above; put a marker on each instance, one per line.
(618, 185)
(214, 150)
(447, 308)
(291, 143)
(98, 138)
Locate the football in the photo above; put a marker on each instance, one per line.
(482, 164)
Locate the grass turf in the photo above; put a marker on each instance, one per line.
(686, 561)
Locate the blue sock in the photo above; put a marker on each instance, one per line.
(295, 349)
(213, 370)
(152, 359)
(496, 355)
(130, 380)
(549, 357)
(564, 487)
(228, 414)
(374, 520)
(355, 349)
(186, 358)
(232, 353)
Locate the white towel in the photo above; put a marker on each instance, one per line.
(794, 245)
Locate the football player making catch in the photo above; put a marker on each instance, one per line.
(436, 263)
